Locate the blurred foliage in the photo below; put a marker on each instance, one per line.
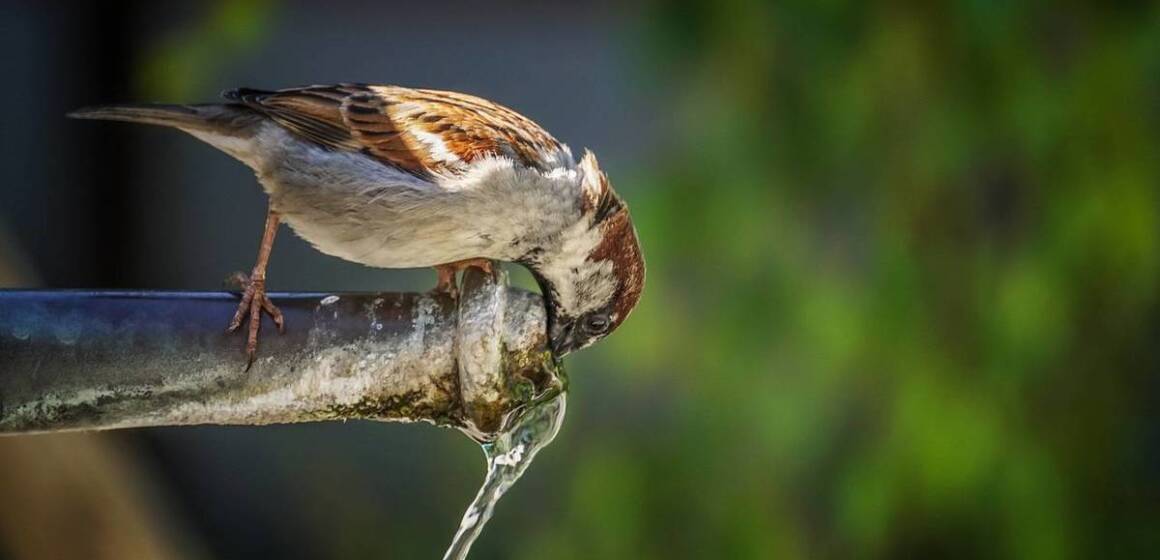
(178, 66)
(902, 288)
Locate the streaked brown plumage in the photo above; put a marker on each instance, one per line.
(396, 177)
(386, 122)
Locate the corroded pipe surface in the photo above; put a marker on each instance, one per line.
(99, 360)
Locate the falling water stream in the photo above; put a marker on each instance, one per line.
(508, 456)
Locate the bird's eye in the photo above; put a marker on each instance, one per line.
(597, 324)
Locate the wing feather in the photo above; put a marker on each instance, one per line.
(424, 132)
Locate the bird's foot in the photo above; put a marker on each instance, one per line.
(486, 265)
(447, 282)
(254, 302)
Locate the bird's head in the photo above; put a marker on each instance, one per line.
(594, 279)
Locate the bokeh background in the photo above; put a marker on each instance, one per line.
(902, 291)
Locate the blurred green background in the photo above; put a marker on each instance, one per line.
(902, 282)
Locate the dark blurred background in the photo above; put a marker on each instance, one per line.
(902, 290)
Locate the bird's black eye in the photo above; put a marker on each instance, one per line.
(597, 324)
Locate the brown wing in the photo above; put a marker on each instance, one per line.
(425, 132)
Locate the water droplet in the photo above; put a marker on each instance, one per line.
(21, 332)
(67, 332)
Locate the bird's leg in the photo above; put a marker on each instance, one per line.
(254, 299)
(447, 273)
(445, 283)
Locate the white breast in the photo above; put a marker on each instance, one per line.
(356, 208)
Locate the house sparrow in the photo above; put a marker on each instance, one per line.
(393, 177)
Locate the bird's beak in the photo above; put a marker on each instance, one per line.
(560, 338)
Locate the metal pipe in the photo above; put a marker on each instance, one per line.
(101, 360)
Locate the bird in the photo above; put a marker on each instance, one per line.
(395, 177)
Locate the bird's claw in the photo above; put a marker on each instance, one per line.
(447, 275)
(254, 302)
(447, 285)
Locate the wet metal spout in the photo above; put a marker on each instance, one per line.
(101, 360)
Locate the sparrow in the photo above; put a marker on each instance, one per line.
(394, 177)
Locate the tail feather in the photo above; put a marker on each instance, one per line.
(231, 120)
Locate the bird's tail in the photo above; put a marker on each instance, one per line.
(222, 119)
